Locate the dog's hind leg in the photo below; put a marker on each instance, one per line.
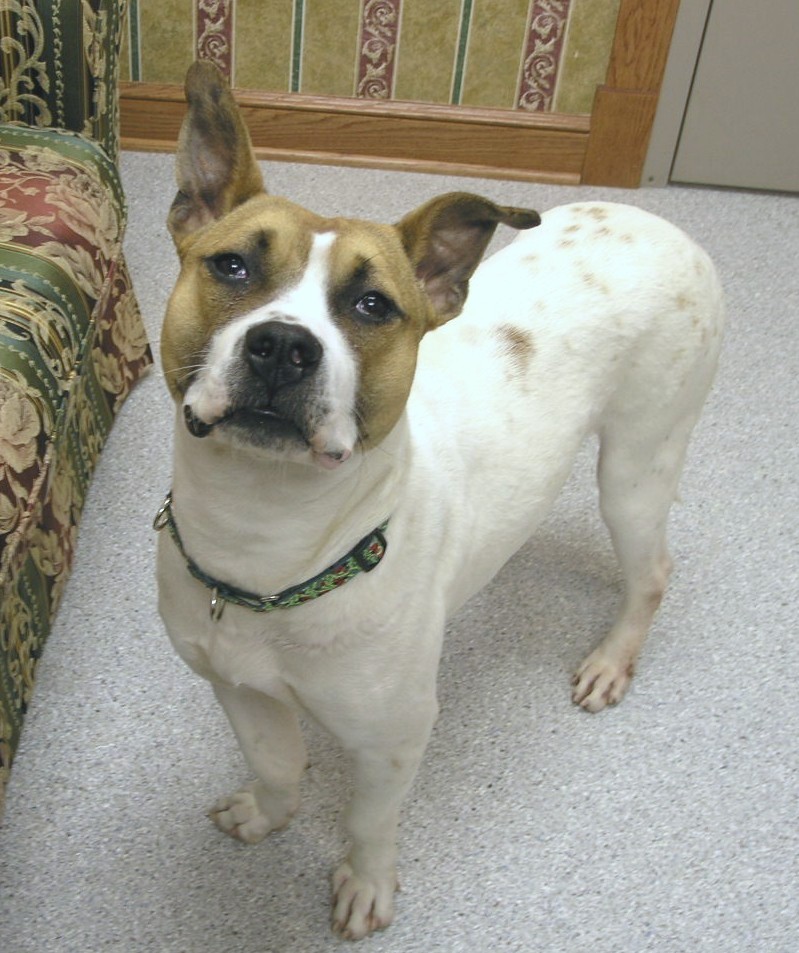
(270, 738)
(638, 478)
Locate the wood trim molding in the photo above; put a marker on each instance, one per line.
(625, 106)
(607, 148)
(412, 136)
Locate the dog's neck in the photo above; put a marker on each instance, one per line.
(275, 523)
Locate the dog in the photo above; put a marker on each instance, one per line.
(359, 447)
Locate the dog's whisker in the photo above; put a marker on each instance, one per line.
(181, 374)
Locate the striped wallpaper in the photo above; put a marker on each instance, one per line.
(535, 55)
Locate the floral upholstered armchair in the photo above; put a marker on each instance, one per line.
(71, 338)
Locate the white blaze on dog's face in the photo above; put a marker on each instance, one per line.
(290, 332)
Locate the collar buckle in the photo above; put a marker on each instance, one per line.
(161, 520)
(217, 606)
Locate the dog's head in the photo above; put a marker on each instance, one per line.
(292, 332)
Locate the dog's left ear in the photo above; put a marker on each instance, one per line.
(445, 240)
(216, 168)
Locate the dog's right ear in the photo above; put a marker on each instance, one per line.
(445, 239)
(216, 168)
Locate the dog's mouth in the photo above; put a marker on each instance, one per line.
(245, 416)
(264, 425)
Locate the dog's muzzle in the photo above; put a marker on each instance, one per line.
(274, 398)
(276, 358)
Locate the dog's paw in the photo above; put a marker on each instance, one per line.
(361, 905)
(241, 816)
(601, 680)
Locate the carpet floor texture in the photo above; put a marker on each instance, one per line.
(667, 824)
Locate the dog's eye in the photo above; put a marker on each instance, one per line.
(230, 267)
(375, 307)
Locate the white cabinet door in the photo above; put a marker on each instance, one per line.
(741, 125)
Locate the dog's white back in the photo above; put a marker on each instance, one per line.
(578, 326)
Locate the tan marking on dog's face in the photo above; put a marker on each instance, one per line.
(272, 236)
(373, 299)
(370, 268)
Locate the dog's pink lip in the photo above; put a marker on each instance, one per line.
(332, 459)
(195, 425)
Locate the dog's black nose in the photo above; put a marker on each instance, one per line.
(282, 353)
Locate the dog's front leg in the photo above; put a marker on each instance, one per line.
(364, 884)
(270, 738)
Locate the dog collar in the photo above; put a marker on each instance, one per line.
(363, 557)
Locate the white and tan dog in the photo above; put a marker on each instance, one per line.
(313, 406)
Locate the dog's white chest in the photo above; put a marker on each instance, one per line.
(230, 650)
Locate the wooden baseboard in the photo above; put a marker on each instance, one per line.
(411, 136)
(624, 107)
(619, 137)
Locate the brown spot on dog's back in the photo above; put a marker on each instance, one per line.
(597, 213)
(592, 281)
(517, 345)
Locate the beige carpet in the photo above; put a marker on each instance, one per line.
(668, 824)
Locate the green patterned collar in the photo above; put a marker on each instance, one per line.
(363, 557)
